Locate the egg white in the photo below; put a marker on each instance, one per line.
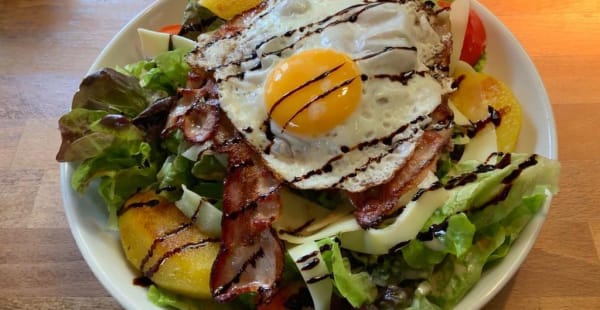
(386, 105)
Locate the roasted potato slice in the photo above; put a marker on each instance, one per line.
(164, 245)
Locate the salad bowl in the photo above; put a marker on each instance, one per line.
(506, 60)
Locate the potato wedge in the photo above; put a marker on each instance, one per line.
(164, 245)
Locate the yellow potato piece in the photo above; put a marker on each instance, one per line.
(228, 9)
(476, 92)
(159, 241)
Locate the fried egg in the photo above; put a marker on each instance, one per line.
(331, 94)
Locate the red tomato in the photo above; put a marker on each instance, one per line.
(171, 29)
(475, 40)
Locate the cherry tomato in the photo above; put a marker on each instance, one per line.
(475, 40)
(171, 29)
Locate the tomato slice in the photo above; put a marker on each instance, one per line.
(171, 29)
(475, 40)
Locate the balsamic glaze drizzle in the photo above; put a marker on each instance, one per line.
(314, 100)
(312, 263)
(359, 146)
(295, 231)
(250, 262)
(308, 83)
(387, 49)
(494, 117)
(320, 27)
(316, 279)
(149, 203)
(251, 205)
(188, 246)
(306, 257)
(160, 239)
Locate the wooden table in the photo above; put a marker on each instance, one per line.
(47, 46)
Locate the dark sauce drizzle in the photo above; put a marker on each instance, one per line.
(306, 257)
(314, 100)
(251, 205)
(188, 246)
(402, 77)
(494, 117)
(160, 239)
(142, 281)
(321, 26)
(435, 230)
(385, 50)
(398, 247)
(297, 230)
(360, 146)
(250, 262)
(149, 203)
(170, 47)
(316, 279)
(312, 263)
(308, 83)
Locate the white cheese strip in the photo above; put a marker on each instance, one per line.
(309, 261)
(459, 118)
(299, 212)
(206, 216)
(345, 224)
(459, 16)
(405, 227)
(155, 43)
(482, 145)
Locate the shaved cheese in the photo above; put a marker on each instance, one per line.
(459, 118)
(302, 220)
(204, 215)
(482, 145)
(405, 227)
(316, 277)
(155, 43)
(195, 150)
(346, 224)
(459, 16)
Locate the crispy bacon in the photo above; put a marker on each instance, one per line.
(200, 121)
(189, 99)
(251, 256)
(377, 203)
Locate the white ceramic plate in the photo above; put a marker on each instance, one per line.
(507, 60)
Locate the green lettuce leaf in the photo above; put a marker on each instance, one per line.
(358, 288)
(456, 275)
(165, 73)
(175, 171)
(209, 168)
(110, 148)
(122, 172)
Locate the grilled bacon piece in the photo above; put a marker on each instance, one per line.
(251, 257)
(376, 204)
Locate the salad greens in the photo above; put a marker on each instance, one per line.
(163, 74)
(466, 234)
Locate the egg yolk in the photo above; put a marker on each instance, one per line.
(311, 92)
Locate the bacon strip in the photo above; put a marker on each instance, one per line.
(251, 257)
(377, 203)
(200, 121)
(193, 99)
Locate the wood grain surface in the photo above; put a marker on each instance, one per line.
(46, 47)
